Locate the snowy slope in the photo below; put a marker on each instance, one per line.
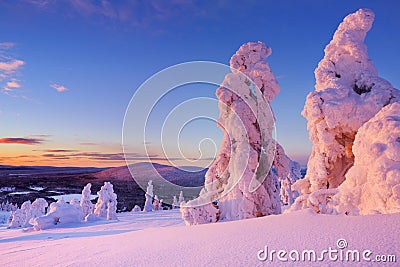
(161, 239)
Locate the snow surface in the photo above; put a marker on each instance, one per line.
(133, 239)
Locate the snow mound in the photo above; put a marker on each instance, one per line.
(372, 185)
(59, 213)
(348, 93)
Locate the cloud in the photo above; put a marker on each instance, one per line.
(59, 88)
(88, 144)
(60, 150)
(11, 85)
(9, 68)
(133, 14)
(21, 141)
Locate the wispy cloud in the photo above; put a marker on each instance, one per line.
(128, 13)
(21, 141)
(9, 68)
(60, 150)
(11, 85)
(59, 88)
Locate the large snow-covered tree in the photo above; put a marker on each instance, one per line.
(348, 92)
(372, 185)
(106, 206)
(86, 203)
(240, 177)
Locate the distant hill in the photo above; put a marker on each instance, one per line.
(144, 171)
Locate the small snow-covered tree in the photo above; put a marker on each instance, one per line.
(156, 203)
(181, 198)
(38, 208)
(17, 219)
(348, 93)
(372, 185)
(26, 208)
(136, 209)
(148, 205)
(175, 204)
(106, 206)
(86, 203)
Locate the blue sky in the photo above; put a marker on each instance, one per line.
(71, 67)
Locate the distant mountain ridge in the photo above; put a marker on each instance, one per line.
(147, 170)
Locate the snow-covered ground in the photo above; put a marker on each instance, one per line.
(161, 239)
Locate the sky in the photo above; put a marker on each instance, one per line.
(68, 70)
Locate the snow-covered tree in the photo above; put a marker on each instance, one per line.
(7, 206)
(288, 172)
(86, 203)
(136, 209)
(148, 205)
(38, 208)
(23, 217)
(17, 219)
(175, 204)
(372, 185)
(240, 177)
(181, 198)
(156, 203)
(348, 93)
(106, 206)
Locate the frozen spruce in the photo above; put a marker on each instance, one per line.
(175, 204)
(372, 185)
(288, 172)
(156, 203)
(86, 203)
(348, 93)
(181, 198)
(17, 219)
(148, 205)
(106, 206)
(38, 208)
(240, 178)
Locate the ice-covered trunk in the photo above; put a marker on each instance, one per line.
(240, 177)
(348, 93)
